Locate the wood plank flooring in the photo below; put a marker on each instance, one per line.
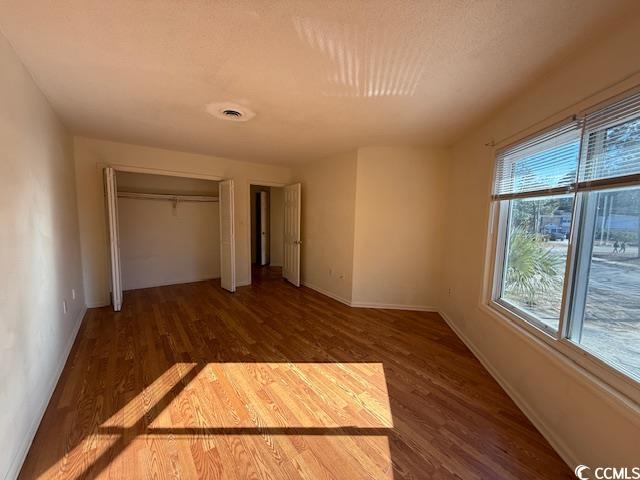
(275, 382)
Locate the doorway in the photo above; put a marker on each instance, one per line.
(274, 233)
(267, 231)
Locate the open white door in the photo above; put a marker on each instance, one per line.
(292, 242)
(227, 237)
(111, 192)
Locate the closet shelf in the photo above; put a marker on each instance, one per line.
(168, 196)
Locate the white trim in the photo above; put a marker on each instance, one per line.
(326, 293)
(380, 306)
(565, 452)
(159, 171)
(175, 281)
(394, 306)
(104, 303)
(19, 458)
(264, 183)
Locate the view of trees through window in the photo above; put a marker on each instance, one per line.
(536, 255)
(604, 313)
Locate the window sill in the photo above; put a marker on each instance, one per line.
(601, 377)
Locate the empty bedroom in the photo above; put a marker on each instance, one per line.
(298, 239)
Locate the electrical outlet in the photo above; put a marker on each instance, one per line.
(65, 309)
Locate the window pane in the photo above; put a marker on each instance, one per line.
(610, 274)
(536, 253)
(544, 162)
(611, 145)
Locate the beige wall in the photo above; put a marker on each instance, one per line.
(328, 214)
(160, 248)
(399, 234)
(39, 257)
(586, 423)
(160, 245)
(92, 155)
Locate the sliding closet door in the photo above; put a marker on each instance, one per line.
(227, 237)
(292, 242)
(111, 197)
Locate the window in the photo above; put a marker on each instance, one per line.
(534, 189)
(578, 288)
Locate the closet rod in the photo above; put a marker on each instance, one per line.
(167, 196)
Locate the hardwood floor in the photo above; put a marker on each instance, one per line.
(275, 382)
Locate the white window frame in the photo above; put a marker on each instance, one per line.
(503, 208)
(558, 341)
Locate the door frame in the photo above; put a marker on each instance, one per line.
(119, 167)
(122, 167)
(257, 183)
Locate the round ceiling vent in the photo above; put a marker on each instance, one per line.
(230, 111)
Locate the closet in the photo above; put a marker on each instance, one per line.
(165, 230)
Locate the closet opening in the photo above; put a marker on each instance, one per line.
(166, 230)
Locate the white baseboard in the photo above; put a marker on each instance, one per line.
(174, 281)
(98, 305)
(394, 306)
(388, 306)
(327, 293)
(18, 460)
(569, 457)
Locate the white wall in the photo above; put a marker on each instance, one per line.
(328, 214)
(39, 257)
(160, 245)
(584, 421)
(276, 215)
(92, 155)
(399, 227)
(160, 248)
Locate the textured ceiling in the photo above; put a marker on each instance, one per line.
(322, 76)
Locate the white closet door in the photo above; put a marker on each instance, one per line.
(227, 237)
(111, 191)
(292, 242)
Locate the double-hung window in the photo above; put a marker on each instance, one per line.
(567, 251)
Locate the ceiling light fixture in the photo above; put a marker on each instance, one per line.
(230, 111)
